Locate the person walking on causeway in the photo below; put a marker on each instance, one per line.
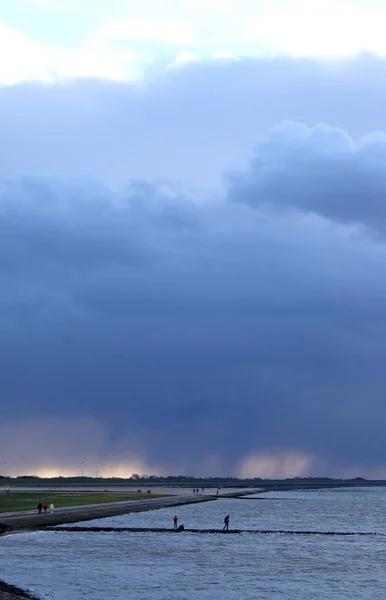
(226, 523)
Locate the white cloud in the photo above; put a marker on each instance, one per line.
(170, 31)
(187, 57)
(99, 62)
(319, 28)
(211, 29)
(23, 59)
(294, 27)
(182, 59)
(224, 55)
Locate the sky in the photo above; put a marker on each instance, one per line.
(193, 237)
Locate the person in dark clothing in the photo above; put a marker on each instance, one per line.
(226, 523)
(181, 528)
(40, 506)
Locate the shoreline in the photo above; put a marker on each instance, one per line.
(33, 522)
(12, 592)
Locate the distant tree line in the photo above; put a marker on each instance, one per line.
(183, 480)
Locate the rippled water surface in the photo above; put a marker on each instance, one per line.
(168, 566)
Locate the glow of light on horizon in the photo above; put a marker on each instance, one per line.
(267, 465)
(106, 469)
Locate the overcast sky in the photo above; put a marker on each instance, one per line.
(193, 237)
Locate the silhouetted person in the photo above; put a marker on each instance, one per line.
(226, 523)
(181, 528)
(40, 506)
(175, 521)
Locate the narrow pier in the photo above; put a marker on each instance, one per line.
(77, 529)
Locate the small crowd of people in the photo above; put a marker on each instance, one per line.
(196, 490)
(182, 528)
(44, 507)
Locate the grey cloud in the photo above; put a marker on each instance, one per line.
(320, 170)
(224, 328)
(188, 124)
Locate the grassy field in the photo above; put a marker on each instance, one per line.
(15, 500)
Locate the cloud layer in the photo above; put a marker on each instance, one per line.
(189, 125)
(205, 333)
(186, 321)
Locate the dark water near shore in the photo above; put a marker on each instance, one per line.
(70, 566)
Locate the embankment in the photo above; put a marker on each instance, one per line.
(27, 521)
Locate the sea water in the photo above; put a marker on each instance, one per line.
(302, 563)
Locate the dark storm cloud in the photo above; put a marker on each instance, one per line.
(191, 334)
(192, 330)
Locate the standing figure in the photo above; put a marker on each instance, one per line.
(40, 506)
(52, 507)
(175, 521)
(226, 523)
(45, 506)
